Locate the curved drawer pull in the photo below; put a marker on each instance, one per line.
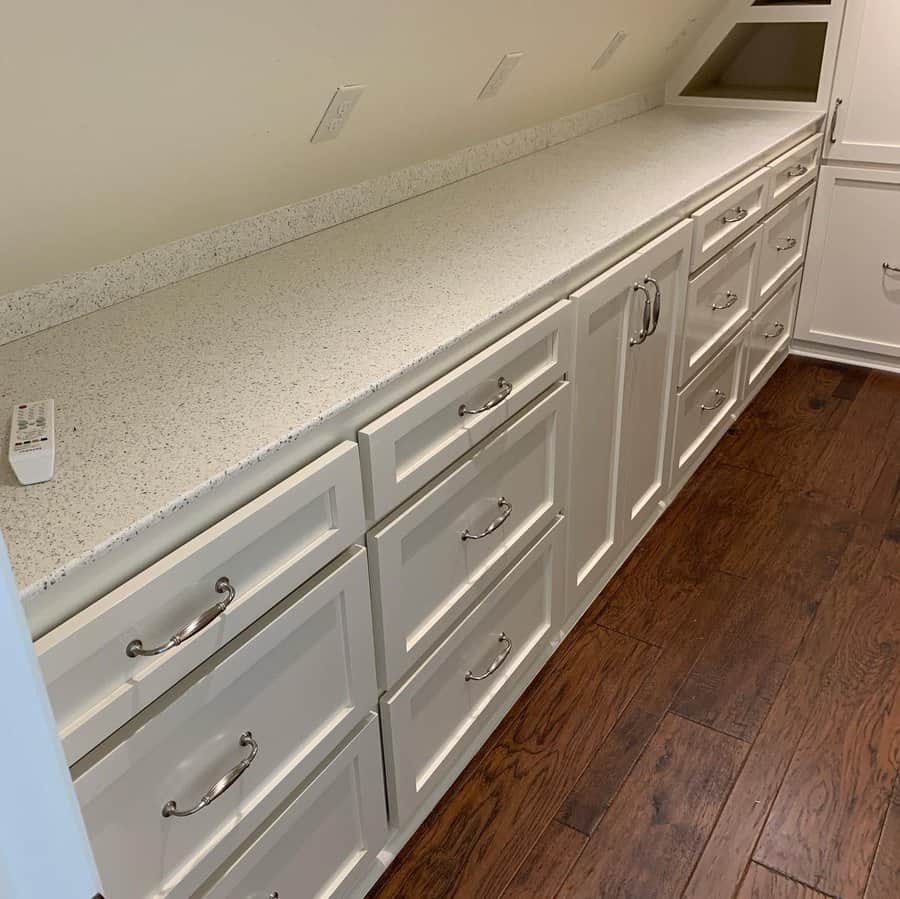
(797, 171)
(504, 655)
(787, 244)
(657, 304)
(720, 399)
(646, 316)
(220, 786)
(886, 266)
(738, 214)
(730, 299)
(777, 332)
(499, 521)
(506, 389)
(204, 619)
(832, 137)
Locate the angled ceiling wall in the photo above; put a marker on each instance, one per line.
(128, 124)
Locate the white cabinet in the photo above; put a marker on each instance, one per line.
(849, 299)
(627, 330)
(770, 334)
(865, 125)
(784, 244)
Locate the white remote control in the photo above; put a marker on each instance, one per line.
(32, 449)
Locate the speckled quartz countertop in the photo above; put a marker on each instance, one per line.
(164, 398)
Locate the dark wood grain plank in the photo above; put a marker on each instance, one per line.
(884, 878)
(851, 381)
(657, 825)
(544, 870)
(761, 883)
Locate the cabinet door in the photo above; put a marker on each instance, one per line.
(849, 298)
(867, 83)
(623, 390)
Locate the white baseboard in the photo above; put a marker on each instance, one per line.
(845, 356)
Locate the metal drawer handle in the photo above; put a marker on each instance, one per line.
(504, 655)
(223, 585)
(797, 171)
(657, 303)
(720, 399)
(886, 266)
(499, 521)
(787, 244)
(646, 316)
(731, 298)
(738, 214)
(220, 786)
(777, 332)
(834, 120)
(506, 389)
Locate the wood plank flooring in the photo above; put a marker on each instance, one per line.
(725, 720)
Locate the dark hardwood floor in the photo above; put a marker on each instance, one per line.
(725, 719)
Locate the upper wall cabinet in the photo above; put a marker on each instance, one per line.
(865, 125)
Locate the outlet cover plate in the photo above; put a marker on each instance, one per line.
(338, 111)
(500, 74)
(615, 42)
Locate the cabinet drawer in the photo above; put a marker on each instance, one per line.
(265, 550)
(794, 170)
(729, 216)
(298, 683)
(703, 409)
(325, 840)
(718, 304)
(411, 444)
(429, 561)
(430, 722)
(770, 331)
(784, 244)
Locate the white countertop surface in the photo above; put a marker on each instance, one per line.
(161, 398)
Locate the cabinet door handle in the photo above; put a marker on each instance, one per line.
(506, 389)
(778, 330)
(738, 214)
(797, 171)
(832, 137)
(788, 243)
(886, 266)
(720, 399)
(730, 299)
(136, 648)
(504, 655)
(170, 810)
(646, 316)
(499, 521)
(657, 303)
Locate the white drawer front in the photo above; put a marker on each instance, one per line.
(770, 331)
(430, 721)
(299, 684)
(266, 549)
(718, 304)
(411, 444)
(794, 170)
(325, 840)
(729, 216)
(703, 410)
(785, 234)
(424, 574)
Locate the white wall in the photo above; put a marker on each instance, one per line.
(125, 124)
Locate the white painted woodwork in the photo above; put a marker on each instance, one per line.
(848, 300)
(785, 236)
(408, 446)
(424, 575)
(867, 81)
(703, 410)
(719, 301)
(770, 332)
(266, 549)
(428, 721)
(794, 170)
(746, 202)
(299, 681)
(325, 840)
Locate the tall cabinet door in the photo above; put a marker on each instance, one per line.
(617, 362)
(865, 125)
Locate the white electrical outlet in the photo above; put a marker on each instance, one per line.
(500, 74)
(617, 40)
(338, 111)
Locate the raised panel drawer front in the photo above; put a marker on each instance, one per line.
(795, 170)
(718, 304)
(411, 444)
(431, 721)
(95, 677)
(770, 331)
(325, 840)
(168, 798)
(439, 552)
(704, 408)
(785, 234)
(730, 215)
